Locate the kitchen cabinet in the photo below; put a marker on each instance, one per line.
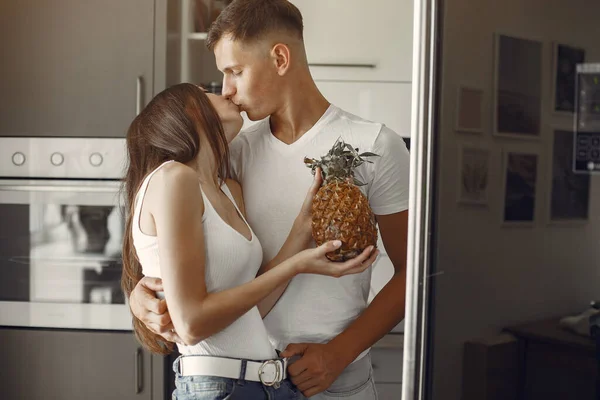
(61, 364)
(359, 53)
(360, 56)
(387, 358)
(78, 68)
(388, 391)
(388, 103)
(192, 61)
(356, 40)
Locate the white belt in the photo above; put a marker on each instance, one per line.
(268, 372)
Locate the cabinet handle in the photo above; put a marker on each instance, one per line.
(62, 188)
(138, 95)
(342, 65)
(139, 375)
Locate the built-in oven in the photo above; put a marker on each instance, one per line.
(61, 232)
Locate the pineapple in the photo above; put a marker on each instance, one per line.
(339, 210)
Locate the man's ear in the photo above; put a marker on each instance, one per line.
(281, 56)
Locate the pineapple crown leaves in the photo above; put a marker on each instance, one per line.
(340, 162)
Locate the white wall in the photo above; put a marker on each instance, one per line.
(496, 276)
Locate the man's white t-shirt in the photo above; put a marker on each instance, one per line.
(275, 182)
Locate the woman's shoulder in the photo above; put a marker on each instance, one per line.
(175, 180)
(175, 174)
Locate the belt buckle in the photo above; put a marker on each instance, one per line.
(278, 373)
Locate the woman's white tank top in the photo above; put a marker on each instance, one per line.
(231, 260)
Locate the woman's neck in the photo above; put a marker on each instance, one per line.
(205, 168)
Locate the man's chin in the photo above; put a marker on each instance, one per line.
(254, 116)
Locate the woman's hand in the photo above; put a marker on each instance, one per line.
(303, 224)
(314, 261)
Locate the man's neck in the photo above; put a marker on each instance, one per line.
(299, 112)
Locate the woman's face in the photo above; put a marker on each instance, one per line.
(229, 114)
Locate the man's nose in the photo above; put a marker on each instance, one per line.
(228, 89)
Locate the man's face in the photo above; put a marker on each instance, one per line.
(249, 76)
(229, 115)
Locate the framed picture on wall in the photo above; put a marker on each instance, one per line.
(474, 164)
(469, 109)
(570, 192)
(564, 65)
(520, 187)
(517, 87)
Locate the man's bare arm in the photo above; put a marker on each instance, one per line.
(321, 364)
(151, 310)
(387, 308)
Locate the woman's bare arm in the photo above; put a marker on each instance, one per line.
(197, 314)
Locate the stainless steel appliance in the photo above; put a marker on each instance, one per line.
(61, 231)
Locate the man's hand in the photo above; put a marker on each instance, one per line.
(152, 311)
(318, 367)
(302, 228)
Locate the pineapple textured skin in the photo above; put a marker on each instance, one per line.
(341, 212)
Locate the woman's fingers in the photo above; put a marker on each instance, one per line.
(366, 264)
(321, 265)
(362, 257)
(360, 262)
(329, 246)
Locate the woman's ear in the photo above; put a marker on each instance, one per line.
(280, 54)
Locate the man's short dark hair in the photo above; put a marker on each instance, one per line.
(250, 20)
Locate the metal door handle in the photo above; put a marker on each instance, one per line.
(138, 95)
(139, 375)
(65, 188)
(342, 65)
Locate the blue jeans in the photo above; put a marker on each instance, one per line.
(199, 387)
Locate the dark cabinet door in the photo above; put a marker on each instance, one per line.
(56, 364)
(74, 68)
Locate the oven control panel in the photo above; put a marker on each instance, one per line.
(69, 158)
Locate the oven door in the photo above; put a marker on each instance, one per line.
(60, 254)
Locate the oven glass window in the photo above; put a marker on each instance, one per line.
(61, 250)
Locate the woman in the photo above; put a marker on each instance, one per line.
(185, 213)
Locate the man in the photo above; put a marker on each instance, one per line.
(259, 47)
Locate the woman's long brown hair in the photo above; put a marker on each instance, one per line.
(168, 128)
